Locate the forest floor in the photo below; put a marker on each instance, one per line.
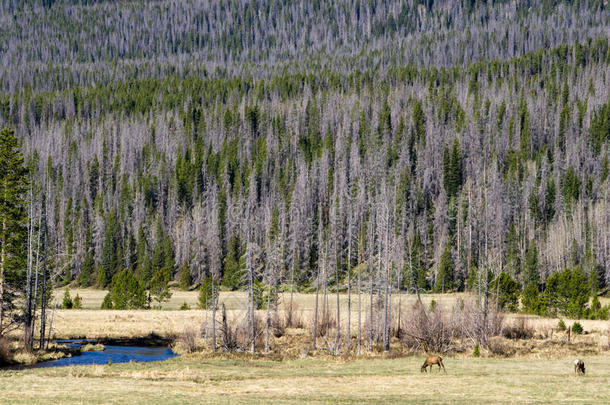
(197, 378)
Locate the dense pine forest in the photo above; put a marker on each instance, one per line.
(392, 145)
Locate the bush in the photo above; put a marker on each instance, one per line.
(429, 330)
(577, 328)
(294, 317)
(187, 340)
(5, 352)
(521, 329)
(77, 302)
(597, 311)
(561, 325)
(476, 352)
(67, 301)
(184, 306)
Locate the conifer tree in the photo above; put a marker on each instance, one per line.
(444, 278)
(13, 219)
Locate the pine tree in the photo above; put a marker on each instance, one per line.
(570, 188)
(88, 265)
(13, 219)
(110, 255)
(444, 279)
(511, 248)
(159, 286)
(419, 122)
(234, 265)
(126, 292)
(530, 266)
(452, 169)
(526, 137)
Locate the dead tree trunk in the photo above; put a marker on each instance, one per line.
(214, 302)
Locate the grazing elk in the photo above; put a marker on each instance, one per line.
(579, 367)
(432, 360)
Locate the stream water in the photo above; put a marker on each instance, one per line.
(116, 354)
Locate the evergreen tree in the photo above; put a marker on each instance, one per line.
(110, 251)
(234, 264)
(419, 122)
(13, 218)
(159, 286)
(531, 298)
(570, 188)
(87, 269)
(67, 301)
(208, 293)
(531, 273)
(127, 292)
(452, 169)
(549, 201)
(418, 277)
(526, 137)
(511, 248)
(506, 291)
(444, 279)
(69, 242)
(184, 277)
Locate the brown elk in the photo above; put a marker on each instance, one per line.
(579, 367)
(432, 360)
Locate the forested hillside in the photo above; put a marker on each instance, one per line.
(430, 144)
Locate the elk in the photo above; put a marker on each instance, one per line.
(432, 360)
(579, 367)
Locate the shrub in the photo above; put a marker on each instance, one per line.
(227, 332)
(476, 352)
(429, 330)
(597, 311)
(5, 352)
(77, 302)
(184, 306)
(498, 348)
(67, 301)
(577, 328)
(187, 340)
(561, 325)
(294, 317)
(521, 329)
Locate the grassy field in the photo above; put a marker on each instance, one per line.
(541, 371)
(92, 299)
(172, 321)
(199, 379)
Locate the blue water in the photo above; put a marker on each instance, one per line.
(117, 354)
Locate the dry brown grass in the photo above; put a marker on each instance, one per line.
(196, 378)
